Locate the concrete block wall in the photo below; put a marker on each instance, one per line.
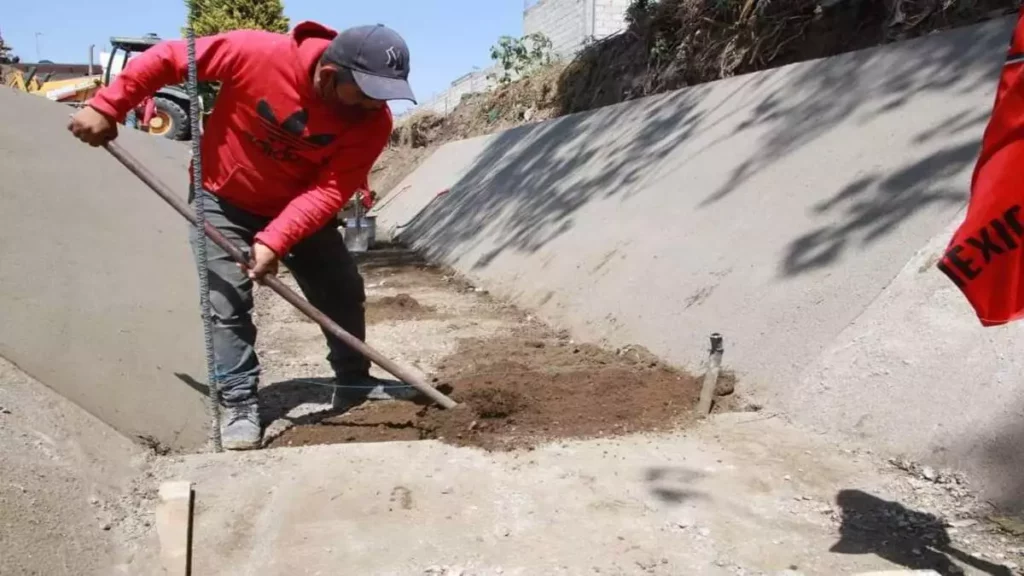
(568, 23)
(565, 22)
(444, 102)
(609, 17)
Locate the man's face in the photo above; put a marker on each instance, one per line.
(340, 91)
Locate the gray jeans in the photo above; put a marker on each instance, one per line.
(324, 271)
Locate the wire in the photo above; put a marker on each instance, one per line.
(555, 370)
(328, 385)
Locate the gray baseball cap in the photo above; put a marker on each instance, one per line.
(378, 58)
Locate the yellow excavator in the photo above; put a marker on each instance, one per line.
(73, 91)
(171, 103)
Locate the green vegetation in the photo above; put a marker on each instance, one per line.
(519, 57)
(216, 16)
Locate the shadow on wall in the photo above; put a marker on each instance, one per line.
(525, 188)
(873, 205)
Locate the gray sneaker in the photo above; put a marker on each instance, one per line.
(352, 391)
(240, 427)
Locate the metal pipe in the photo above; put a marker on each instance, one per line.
(399, 371)
(92, 57)
(707, 391)
(593, 19)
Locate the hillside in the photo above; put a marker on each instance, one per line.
(671, 44)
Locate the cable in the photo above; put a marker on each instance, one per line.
(200, 209)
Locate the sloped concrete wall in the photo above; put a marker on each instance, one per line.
(98, 292)
(917, 372)
(773, 208)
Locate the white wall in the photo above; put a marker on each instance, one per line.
(564, 22)
(569, 23)
(609, 17)
(443, 103)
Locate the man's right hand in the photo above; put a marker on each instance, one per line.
(92, 127)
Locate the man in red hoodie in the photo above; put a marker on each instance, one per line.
(299, 121)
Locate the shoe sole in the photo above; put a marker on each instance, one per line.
(240, 446)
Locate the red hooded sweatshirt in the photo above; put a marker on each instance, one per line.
(271, 146)
(985, 256)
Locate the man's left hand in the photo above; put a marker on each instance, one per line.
(263, 261)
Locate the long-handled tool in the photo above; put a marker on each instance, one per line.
(398, 371)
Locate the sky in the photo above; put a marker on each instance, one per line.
(447, 38)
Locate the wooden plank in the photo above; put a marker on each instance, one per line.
(174, 527)
(900, 573)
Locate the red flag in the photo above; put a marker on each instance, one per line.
(984, 258)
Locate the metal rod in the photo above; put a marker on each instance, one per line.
(213, 394)
(707, 391)
(397, 370)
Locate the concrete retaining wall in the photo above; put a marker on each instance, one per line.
(916, 372)
(774, 208)
(98, 292)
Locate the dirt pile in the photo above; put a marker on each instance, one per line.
(522, 389)
(671, 44)
(399, 307)
(520, 381)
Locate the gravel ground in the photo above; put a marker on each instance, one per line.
(744, 493)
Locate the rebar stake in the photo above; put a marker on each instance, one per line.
(213, 400)
(707, 391)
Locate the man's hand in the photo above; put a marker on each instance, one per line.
(263, 261)
(92, 127)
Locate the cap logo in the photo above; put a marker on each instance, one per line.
(395, 59)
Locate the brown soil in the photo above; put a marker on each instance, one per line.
(400, 307)
(519, 381)
(523, 389)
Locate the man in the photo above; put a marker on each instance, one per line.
(299, 121)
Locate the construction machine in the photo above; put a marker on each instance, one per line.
(171, 115)
(74, 86)
(73, 90)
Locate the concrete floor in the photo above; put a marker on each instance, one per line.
(745, 493)
(63, 475)
(720, 500)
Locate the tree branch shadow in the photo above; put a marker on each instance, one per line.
(872, 206)
(528, 185)
(823, 94)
